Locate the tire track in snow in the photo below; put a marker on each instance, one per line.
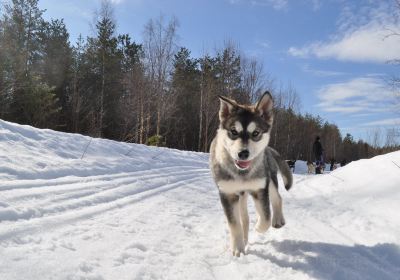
(65, 218)
(66, 180)
(120, 183)
(92, 185)
(109, 194)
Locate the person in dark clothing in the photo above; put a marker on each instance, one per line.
(318, 151)
(332, 164)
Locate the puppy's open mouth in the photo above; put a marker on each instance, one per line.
(242, 164)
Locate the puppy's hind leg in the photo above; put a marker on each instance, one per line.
(230, 203)
(278, 220)
(261, 201)
(244, 216)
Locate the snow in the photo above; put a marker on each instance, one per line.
(127, 211)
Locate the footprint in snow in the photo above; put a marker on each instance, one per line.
(133, 254)
(138, 246)
(68, 245)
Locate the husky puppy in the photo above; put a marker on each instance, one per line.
(310, 167)
(242, 163)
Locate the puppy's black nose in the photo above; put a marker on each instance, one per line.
(243, 155)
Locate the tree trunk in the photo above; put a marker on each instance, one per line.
(201, 114)
(147, 123)
(100, 132)
(75, 109)
(288, 139)
(158, 117)
(206, 128)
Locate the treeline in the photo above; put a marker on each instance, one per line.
(153, 92)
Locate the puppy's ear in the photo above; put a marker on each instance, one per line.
(226, 107)
(264, 107)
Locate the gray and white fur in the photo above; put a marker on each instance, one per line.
(242, 164)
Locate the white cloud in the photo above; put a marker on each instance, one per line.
(264, 44)
(366, 44)
(364, 39)
(321, 73)
(384, 122)
(276, 4)
(116, 1)
(316, 4)
(360, 95)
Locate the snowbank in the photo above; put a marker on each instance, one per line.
(126, 211)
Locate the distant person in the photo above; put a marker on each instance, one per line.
(318, 150)
(332, 167)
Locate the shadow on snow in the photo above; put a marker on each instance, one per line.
(334, 261)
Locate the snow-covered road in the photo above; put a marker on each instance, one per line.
(129, 211)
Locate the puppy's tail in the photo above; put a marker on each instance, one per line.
(283, 168)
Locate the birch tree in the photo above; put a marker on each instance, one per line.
(159, 48)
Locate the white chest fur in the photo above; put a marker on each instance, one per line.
(235, 186)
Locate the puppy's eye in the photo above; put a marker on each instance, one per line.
(234, 132)
(255, 133)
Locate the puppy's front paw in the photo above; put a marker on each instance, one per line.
(238, 247)
(278, 221)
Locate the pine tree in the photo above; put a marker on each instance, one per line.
(57, 67)
(77, 85)
(134, 88)
(104, 60)
(186, 89)
(229, 73)
(40, 103)
(209, 106)
(22, 25)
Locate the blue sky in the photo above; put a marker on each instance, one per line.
(333, 52)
